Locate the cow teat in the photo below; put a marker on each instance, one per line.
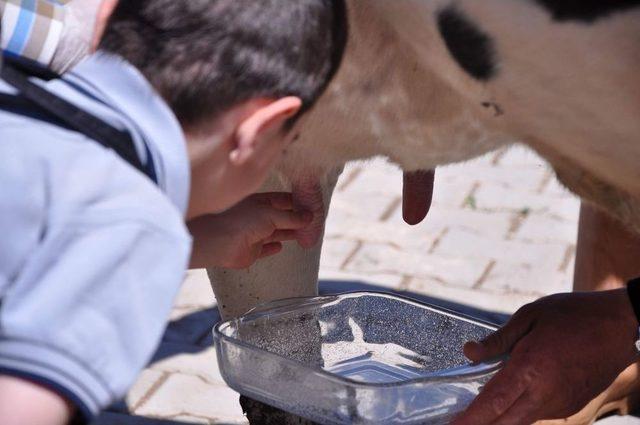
(417, 195)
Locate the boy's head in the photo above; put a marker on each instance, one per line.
(235, 73)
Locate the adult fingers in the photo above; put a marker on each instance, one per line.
(290, 220)
(524, 411)
(278, 200)
(503, 340)
(282, 236)
(270, 249)
(495, 399)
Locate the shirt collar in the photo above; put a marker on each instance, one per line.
(31, 28)
(121, 86)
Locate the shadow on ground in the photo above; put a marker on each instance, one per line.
(121, 419)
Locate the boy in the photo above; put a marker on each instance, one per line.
(93, 252)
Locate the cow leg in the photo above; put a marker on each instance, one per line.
(292, 273)
(607, 255)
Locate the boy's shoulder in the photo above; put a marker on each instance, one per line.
(83, 180)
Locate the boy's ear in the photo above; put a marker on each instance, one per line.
(104, 13)
(264, 120)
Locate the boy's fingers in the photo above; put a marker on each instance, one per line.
(278, 200)
(282, 201)
(282, 236)
(270, 249)
(291, 220)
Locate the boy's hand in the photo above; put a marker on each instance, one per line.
(253, 229)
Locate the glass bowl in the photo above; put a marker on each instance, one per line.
(358, 358)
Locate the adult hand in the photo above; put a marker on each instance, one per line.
(564, 351)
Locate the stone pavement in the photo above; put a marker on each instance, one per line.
(501, 233)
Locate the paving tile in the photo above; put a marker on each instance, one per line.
(497, 302)
(335, 251)
(452, 194)
(546, 228)
(376, 177)
(195, 291)
(383, 259)
(521, 157)
(343, 281)
(619, 420)
(555, 189)
(543, 279)
(147, 379)
(364, 206)
(189, 360)
(468, 244)
(496, 198)
(493, 224)
(145, 382)
(190, 395)
(567, 208)
(187, 419)
(419, 238)
(522, 179)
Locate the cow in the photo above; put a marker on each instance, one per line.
(428, 83)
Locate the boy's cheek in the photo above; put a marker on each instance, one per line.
(234, 189)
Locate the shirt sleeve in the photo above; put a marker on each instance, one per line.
(88, 309)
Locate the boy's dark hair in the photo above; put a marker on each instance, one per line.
(206, 56)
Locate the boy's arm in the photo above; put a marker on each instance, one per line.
(88, 310)
(23, 402)
(253, 229)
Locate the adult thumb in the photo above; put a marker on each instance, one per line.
(500, 342)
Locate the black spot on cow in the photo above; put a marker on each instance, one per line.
(585, 10)
(470, 46)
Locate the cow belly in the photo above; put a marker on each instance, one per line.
(616, 202)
